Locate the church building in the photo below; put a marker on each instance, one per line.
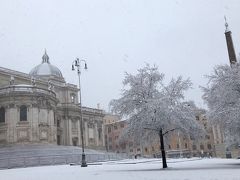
(41, 107)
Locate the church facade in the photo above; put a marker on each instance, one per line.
(40, 107)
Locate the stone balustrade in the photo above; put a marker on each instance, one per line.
(26, 89)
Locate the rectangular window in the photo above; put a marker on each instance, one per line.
(123, 146)
(130, 144)
(23, 113)
(99, 133)
(209, 146)
(2, 115)
(192, 137)
(58, 140)
(207, 137)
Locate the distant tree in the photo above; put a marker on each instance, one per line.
(147, 103)
(222, 96)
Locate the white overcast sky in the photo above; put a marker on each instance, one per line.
(182, 37)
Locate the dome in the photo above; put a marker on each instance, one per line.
(46, 69)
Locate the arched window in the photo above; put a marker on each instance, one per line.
(23, 113)
(2, 115)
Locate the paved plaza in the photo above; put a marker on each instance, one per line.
(140, 169)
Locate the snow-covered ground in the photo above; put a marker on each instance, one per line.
(140, 169)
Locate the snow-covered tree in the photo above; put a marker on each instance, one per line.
(148, 103)
(222, 96)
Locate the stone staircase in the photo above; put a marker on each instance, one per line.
(25, 155)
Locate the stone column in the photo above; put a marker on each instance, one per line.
(35, 128)
(70, 131)
(103, 135)
(96, 134)
(79, 132)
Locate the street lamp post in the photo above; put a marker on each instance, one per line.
(77, 64)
